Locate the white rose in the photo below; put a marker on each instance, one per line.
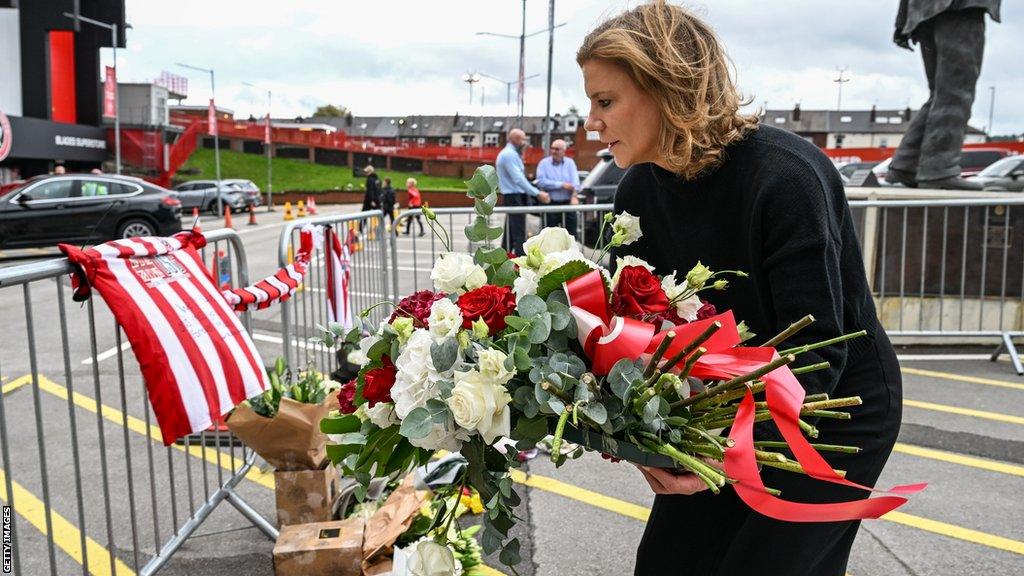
(556, 260)
(416, 380)
(481, 406)
(627, 228)
(624, 261)
(492, 366)
(686, 308)
(446, 436)
(550, 240)
(431, 559)
(445, 319)
(382, 414)
(476, 278)
(525, 284)
(451, 270)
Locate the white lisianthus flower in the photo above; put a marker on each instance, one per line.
(415, 380)
(445, 436)
(492, 366)
(451, 271)
(525, 284)
(476, 278)
(445, 319)
(480, 405)
(382, 414)
(626, 229)
(624, 261)
(550, 240)
(429, 558)
(686, 308)
(361, 356)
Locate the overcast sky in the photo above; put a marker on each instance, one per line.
(387, 57)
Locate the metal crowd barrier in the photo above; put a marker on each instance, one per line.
(413, 255)
(949, 269)
(306, 311)
(84, 469)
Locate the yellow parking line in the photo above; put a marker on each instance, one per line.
(14, 385)
(998, 417)
(962, 378)
(138, 426)
(641, 513)
(65, 534)
(962, 460)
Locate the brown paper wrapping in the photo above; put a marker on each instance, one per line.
(291, 440)
(388, 523)
(305, 496)
(320, 549)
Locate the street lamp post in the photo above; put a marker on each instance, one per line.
(117, 99)
(268, 144)
(508, 85)
(216, 131)
(546, 140)
(991, 111)
(522, 56)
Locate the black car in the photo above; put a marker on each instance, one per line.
(85, 209)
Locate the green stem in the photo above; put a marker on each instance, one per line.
(811, 368)
(810, 406)
(652, 364)
(788, 332)
(808, 347)
(737, 381)
(818, 447)
(556, 440)
(791, 466)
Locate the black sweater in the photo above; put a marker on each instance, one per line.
(775, 209)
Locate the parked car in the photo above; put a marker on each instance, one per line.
(599, 188)
(202, 194)
(251, 190)
(85, 209)
(847, 170)
(1006, 175)
(972, 161)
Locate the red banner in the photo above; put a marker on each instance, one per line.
(211, 119)
(605, 340)
(110, 93)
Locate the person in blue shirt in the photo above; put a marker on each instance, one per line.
(515, 189)
(557, 175)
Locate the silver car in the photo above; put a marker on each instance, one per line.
(202, 194)
(1006, 175)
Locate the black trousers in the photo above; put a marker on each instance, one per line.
(566, 220)
(709, 535)
(952, 45)
(515, 224)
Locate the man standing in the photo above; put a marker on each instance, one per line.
(514, 189)
(951, 34)
(557, 175)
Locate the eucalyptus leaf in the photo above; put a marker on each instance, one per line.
(516, 322)
(651, 410)
(510, 553)
(621, 377)
(444, 354)
(530, 306)
(505, 274)
(417, 424)
(540, 328)
(493, 256)
(595, 411)
(483, 182)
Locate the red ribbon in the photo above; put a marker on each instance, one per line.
(607, 339)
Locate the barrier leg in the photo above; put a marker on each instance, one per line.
(1008, 347)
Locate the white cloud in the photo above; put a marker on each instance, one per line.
(390, 57)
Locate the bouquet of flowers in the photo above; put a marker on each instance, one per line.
(630, 364)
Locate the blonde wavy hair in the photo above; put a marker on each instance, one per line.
(678, 60)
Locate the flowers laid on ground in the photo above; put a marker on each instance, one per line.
(632, 364)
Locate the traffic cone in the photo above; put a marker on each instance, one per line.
(252, 216)
(302, 210)
(288, 211)
(227, 218)
(195, 218)
(311, 204)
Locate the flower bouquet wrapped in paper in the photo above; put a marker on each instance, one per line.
(630, 364)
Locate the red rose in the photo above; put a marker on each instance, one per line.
(706, 311)
(377, 383)
(417, 306)
(491, 303)
(638, 293)
(347, 397)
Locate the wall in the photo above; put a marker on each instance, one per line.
(10, 62)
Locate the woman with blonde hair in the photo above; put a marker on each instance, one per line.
(709, 183)
(414, 201)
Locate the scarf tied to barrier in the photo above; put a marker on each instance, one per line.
(606, 339)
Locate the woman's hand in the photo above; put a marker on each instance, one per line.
(664, 481)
